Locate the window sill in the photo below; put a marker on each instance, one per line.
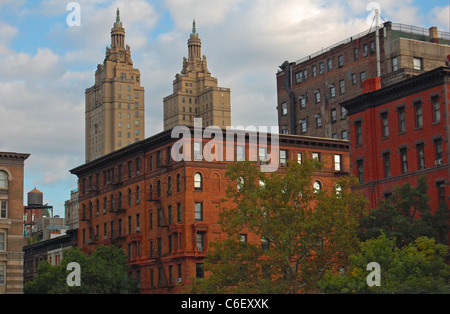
(402, 132)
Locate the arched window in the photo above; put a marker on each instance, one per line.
(3, 180)
(178, 182)
(138, 195)
(198, 181)
(97, 207)
(317, 186)
(105, 204)
(151, 192)
(84, 211)
(90, 209)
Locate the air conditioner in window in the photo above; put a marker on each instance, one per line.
(198, 157)
(199, 248)
(136, 229)
(104, 237)
(89, 241)
(178, 280)
(438, 162)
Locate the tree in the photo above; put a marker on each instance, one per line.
(298, 232)
(418, 267)
(105, 271)
(406, 216)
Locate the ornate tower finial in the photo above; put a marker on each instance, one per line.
(118, 22)
(194, 30)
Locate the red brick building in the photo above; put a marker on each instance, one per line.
(164, 213)
(399, 133)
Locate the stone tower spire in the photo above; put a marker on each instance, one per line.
(194, 45)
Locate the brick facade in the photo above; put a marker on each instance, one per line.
(162, 226)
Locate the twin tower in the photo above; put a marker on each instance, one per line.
(115, 105)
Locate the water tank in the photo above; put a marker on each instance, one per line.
(35, 198)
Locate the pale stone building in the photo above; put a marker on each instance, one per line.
(196, 93)
(115, 108)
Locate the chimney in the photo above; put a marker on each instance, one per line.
(371, 84)
(433, 34)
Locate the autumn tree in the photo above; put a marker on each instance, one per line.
(301, 231)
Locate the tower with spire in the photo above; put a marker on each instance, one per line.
(115, 108)
(196, 93)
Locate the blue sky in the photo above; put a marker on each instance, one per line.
(46, 65)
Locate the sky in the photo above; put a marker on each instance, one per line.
(46, 62)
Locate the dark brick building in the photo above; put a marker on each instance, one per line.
(310, 90)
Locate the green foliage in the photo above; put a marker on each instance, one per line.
(418, 267)
(308, 231)
(102, 272)
(406, 216)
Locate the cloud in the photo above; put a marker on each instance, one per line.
(7, 33)
(441, 18)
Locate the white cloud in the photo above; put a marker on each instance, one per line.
(441, 18)
(7, 33)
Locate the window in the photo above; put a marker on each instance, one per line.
(387, 164)
(343, 113)
(404, 160)
(200, 238)
(358, 129)
(303, 126)
(316, 156)
(2, 241)
(305, 74)
(384, 124)
(169, 185)
(334, 136)
(198, 181)
(333, 90)
(365, 50)
(302, 100)
(436, 109)
(418, 64)
(243, 241)
(130, 200)
(401, 119)
(198, 151)
(337, 162)
(330, 64)
(344, 135)
(438, 150)
(341, 61)
(284, 109)
(262, 153)
(178, 212)
(317, 186)
(363, 76)
(138, 195)
(299, 157)
(441, 192)
(283, 157)
(299, 77)
(333, 115)
(3, 180)
(321, 68)
(317, 96)
(178, 182)
(3, 209)
(199, 270)
(314, 71)
(354, 79)
(355, 53)
(158, 188)
(2, 274)
(318, 121)
(420, 156)
(342, 86)
(360, 169)
(372, 47)
(284, 129)
(198, 211)
(394, 64)
(419, 115)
